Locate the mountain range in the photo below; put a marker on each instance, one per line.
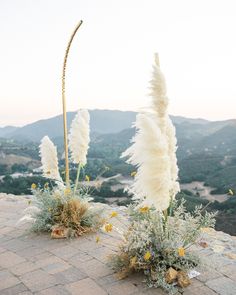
(112, 121)
(101, 121)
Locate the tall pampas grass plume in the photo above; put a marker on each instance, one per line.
(158, 90)
(79, 137)
(172, 148)
(148, 153)
(49, 160)
(159, 107)
(153, 149)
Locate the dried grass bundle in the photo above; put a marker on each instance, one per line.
(71, 214)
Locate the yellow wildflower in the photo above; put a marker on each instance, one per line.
(181, 252)
(147, 256)
(108, 227)
(144, 209)
(33, 186)
(133, 261)
(97, 239)
(49, 209)
(67, 191)
(133, 173)
(87, 178)
(113, 214)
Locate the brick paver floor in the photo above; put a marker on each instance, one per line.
(36, 264)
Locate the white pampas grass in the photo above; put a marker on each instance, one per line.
(160, 109)
(158, 90)
(154, 150)
(49, 160)
(29, 213)
(149, 154)
(172, 144)
(25, 219)
(79, 137)
(31, 210)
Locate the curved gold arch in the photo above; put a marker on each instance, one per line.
(64, 103)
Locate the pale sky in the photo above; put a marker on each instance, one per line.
(112, 55)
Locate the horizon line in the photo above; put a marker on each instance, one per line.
(132, 111)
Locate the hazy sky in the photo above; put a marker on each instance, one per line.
(112, 55)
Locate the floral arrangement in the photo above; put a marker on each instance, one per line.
(159, 246)
(64, 210)
(160, 234)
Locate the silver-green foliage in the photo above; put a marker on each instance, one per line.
(161, 235)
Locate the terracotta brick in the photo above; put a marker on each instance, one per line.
(95, 269)
(57, 290)
(65, 252)
(229, 271)
(7, 280)
(8, 259)
(23, 268)
(222, 286)
(85, 287)
(38, 280)
(14, 290)
(124, 288)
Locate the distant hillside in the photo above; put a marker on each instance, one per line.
(204, 154)
(216, 137)
(111, 121)
(206, 150)
(7, 130)
(102, 121)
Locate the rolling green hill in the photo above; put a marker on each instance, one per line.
(206, 150)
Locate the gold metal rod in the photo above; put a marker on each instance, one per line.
(64, 104)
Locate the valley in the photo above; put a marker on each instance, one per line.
(206, 159)
(199, 189)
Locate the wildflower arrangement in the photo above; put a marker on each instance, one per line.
(160, 234)
(159, 245)
(64, 210)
